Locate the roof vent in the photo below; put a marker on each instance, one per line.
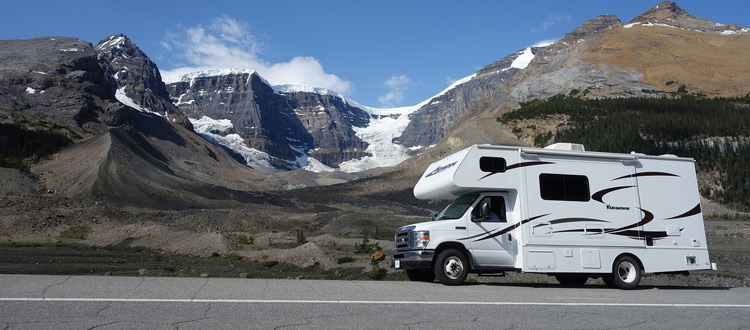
(566, 146)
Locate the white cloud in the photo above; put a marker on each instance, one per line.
(400, 81)
(166, 45)
(397, 85)
(232, 30)
(305, 70)
(391, 98)
(544, 43)
(552, 20)
(228, 43)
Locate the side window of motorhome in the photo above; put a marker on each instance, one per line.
(497, 208)
(492, 164)
(564, 187)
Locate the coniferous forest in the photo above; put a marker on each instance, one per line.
(20, 145)
(713, 131)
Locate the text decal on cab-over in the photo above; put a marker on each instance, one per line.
(440, 169)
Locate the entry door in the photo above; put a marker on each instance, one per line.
(492, 243)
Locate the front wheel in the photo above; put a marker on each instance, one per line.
(451, 267)
(626, 273)
(420, 275)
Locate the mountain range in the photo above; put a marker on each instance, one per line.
(290, 127)
(218, 138)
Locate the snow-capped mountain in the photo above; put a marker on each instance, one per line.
(289, 126)
(440, 113)
(138, 80)
(59, 78)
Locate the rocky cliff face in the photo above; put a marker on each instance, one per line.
(59, 78)
(330, 123)
(557, 69)
(488, 88)
(430, 123)
(141, 150)
(668, 13)
(71, 81)
(137, 77)
(649, 57)
(257, 114)
(560, 68)
(606, 58)
(591, 28)
(287, 125)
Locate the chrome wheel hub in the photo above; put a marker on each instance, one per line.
(626, 272)
(453, 268)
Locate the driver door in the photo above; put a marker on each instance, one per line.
(492, 243)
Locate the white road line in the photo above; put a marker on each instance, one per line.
(372, 302)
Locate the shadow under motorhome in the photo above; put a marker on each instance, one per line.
(561, 211)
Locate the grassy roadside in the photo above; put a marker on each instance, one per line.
(727, 242)
(69, 258)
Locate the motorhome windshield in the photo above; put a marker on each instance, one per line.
(457, 208)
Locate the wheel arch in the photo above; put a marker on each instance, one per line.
(453, 245)
(628, 254)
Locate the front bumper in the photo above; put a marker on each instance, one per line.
(415, 259)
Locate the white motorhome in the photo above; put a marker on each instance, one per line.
(560, 211)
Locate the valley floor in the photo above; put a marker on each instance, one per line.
(45, 234)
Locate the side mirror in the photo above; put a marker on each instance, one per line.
(433, 215)
(484, 212)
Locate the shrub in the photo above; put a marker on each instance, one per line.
(377, 273)
(269, 263)
(364, 246)
(245, 240)
(314, 265)
(301, 237)
(343, 260)
(76, 232)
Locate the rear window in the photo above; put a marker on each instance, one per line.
(564, 187)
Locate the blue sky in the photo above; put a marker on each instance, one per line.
(379, 53)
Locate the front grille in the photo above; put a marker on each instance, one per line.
(404, 240)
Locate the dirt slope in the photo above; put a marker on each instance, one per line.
(707, 62)
(150, 163)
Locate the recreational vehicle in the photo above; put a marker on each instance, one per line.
(561, 211)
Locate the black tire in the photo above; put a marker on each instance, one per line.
(420, 275)
(451, 267)
(572, 279)
(626, 273)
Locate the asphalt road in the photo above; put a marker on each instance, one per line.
(98, 302)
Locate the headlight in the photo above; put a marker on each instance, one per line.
(421, 239)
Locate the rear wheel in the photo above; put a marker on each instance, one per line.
(626, 273)
(451, 267)
(420, 275)
(572, 279)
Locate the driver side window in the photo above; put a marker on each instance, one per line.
(496, 206)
